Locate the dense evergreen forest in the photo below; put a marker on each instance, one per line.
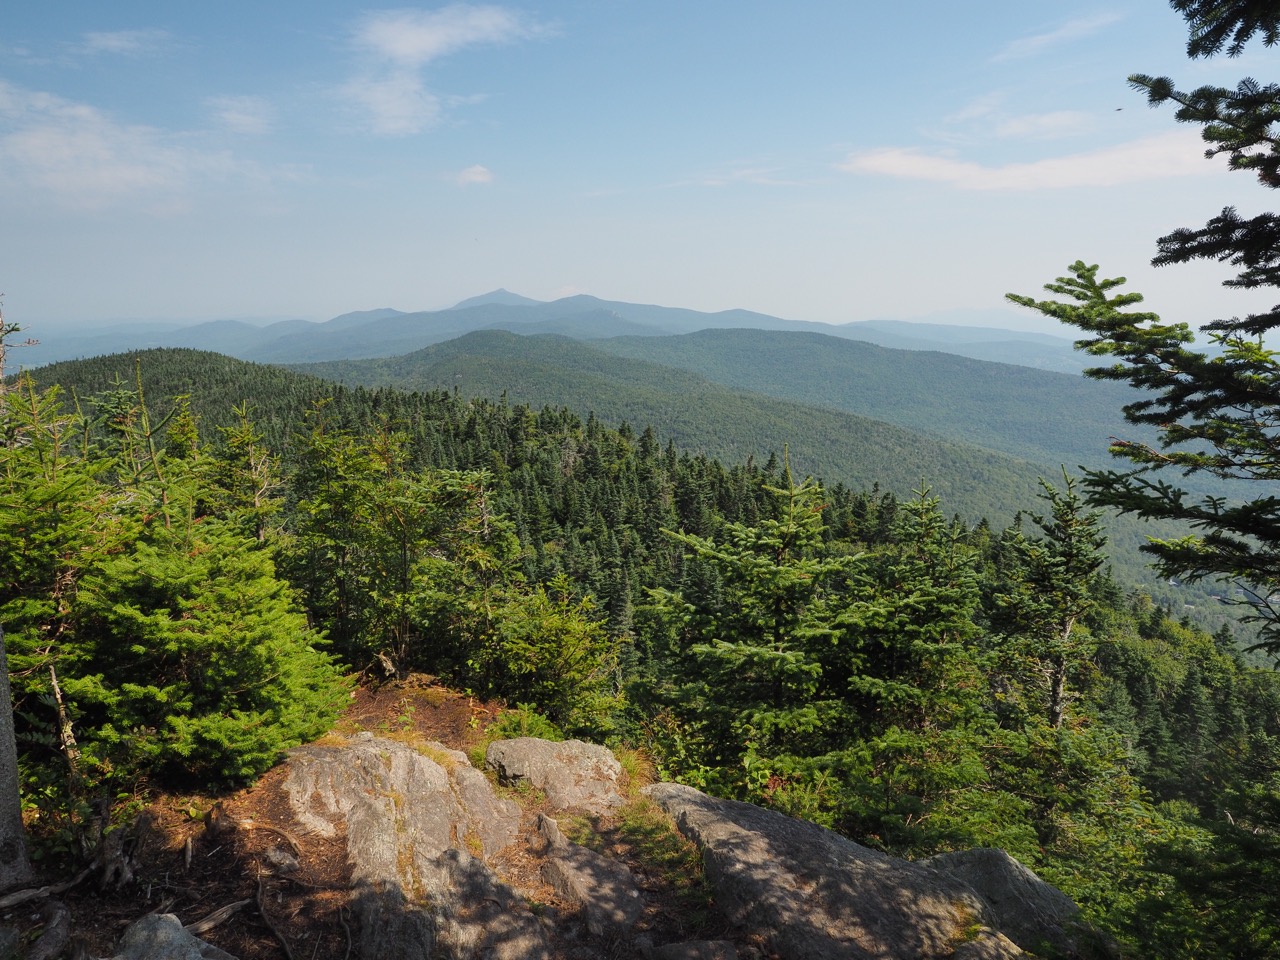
(698, 416)
(189, 584)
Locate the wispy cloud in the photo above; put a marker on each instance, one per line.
(391, 92)
(758, 175)
(474, 174)
(1043, 126)
(79, 157)
(985, 117)
(977, 108)
(1071, 30)
(1176, 154)
(130, 43)
(413, 38)
(247, 115)
(395, 105)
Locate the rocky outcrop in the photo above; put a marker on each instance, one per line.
(818, 896)
(574, 775)
(161, 936)
(443, 866)
(415, 819)
(1018, 903)
(605, 889)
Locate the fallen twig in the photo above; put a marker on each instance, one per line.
(346, 928)
(254, 825)
(35, 893)
(262, 911)
(204, 925)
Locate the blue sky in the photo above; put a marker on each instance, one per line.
(828, 161)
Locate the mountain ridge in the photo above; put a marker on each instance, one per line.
(386, 332)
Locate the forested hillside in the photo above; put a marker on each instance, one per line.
(1013, 409)
(976, 481)
(184, 586)
(690, 411)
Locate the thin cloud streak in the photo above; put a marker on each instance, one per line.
(396, 105)
(1044, 126)
(413, 38)
(1176, 154)
(757, 176)
(1071, 30)
(474, 174)
(80, 158)
(246, 115)
(391, 93)
(976, 109)
(125, 42)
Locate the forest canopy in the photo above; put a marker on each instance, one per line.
(186, 599)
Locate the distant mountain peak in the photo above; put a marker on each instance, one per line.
(357, 317)
(501, 296)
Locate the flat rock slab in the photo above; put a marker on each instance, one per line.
(606, 891)
(817, 895)
(409, 816)
(1019, 904)
(160, 936)
(574, 775)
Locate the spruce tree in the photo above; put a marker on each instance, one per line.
(753, 624)
(1048, 583)
(194, 658)
(1214, 411)
(15, 865)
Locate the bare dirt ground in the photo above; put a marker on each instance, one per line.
(195, 855)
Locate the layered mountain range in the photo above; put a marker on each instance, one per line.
(386, 332)
(732, 385)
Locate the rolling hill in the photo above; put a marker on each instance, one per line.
(694, 413)
(1037, 415)
(858, 451)
(386, 332)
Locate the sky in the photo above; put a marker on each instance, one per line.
(820, 160)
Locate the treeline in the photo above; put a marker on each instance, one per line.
(699, 416)
(722, 426)
(185, 588)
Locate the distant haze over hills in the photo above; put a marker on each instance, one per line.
(385, 332)
(1050, 419)
(504, 297)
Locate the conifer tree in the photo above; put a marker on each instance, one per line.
(1215, 412)
(912, 764)
(1047, 592)
(751, 637)
(155, 633)
(60, 515)
(15, 864)
(1216, 415)
(194, 658)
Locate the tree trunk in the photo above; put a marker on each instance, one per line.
(15, 868)
(1057, 691)
(67, 736)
